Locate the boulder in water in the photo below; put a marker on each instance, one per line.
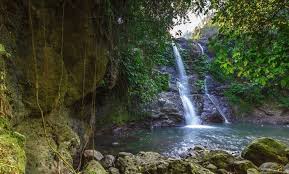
(266, 150)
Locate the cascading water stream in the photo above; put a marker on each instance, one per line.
(184, 90)
(213, 100)
(211, 97)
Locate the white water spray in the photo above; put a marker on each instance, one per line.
(211, 97)
(183, 86)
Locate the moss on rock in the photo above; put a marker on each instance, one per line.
(94, 167)
(241, 167)
(221, 159)
(12, 154)
(266, 150)
(40, 156)
(154, 163)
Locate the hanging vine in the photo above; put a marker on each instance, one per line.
(69, 166)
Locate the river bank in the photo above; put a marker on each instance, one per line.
(263, 155)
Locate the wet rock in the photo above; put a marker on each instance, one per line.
(221, 159)
(113, 170)
(266, 150)
(212, 117)
(222, 171)
(40, 157)
(199, 148)
(211, 167)
(108, 161)
(189, 153)
(286, 169)
(154, 163)
(123, 154)
(186, 167)
(94, 167)
(241, 167)
(92, 155)
(166, 110)
(271, 167)
(253, 171)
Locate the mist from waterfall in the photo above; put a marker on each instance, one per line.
(184, 90)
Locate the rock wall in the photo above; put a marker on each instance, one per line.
(71, 43)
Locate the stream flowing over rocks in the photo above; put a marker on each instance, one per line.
(262, 156)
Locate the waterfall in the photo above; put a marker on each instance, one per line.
(184, 90)
(202, 49)
(211, 97)
(214, 101)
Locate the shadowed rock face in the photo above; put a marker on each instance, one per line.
(69, 47)
(167, 109)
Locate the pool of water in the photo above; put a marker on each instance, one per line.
(173, 141)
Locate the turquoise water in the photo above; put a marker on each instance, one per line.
(173, 141)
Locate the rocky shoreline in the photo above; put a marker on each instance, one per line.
(262, 156)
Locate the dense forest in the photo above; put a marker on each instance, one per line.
(103, 86)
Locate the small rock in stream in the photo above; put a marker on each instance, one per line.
(92, 155)
(108, 161)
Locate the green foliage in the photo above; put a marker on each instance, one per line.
(200, 65)
(144, 83)
(12, 154)
(252, 50)
(3, 51)
(197, 63)
(253, 41)
(200, 84)
(148, 45)
(249, 93)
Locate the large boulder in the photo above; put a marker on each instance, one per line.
(94, 167)
(266, 150)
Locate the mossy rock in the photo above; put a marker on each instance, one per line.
(241, 167)
(187, 167)
(12, 154)
(253, 171)
(271, 167)
(154, 163)
(221, 159)
(94, 167)
(40, 147)
(266, 150)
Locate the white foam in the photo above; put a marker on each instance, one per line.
(199, 127)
